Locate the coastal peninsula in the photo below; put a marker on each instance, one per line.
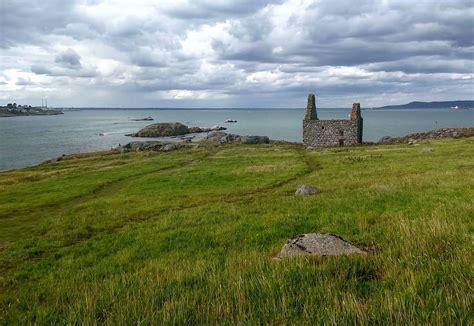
(464, 104)
(14, 110)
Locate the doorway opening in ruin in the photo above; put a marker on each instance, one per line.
(341, 142)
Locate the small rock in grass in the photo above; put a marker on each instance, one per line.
(427, 150)
(306, 190)
(318, 244)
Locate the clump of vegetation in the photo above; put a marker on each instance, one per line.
(188, 236)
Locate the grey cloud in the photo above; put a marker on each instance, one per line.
(208, 9)
(427, 65)
(69, 59)
(40, 70)
(24, 82)
(80, 30)
(64, 72)
(143, 60)
(24, 21)
(374, 37)
(260, 52)
(400, 47)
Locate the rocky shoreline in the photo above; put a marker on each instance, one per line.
(214, 138)
(220, 138)
(433, 134)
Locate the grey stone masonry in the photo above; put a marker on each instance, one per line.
(311, 108)
(324, 133)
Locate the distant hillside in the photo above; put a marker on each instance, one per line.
(431, 105)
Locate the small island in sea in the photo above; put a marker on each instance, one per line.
(13, 110)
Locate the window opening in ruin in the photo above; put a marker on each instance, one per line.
(341, 132)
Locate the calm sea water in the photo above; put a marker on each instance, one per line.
(26, 141)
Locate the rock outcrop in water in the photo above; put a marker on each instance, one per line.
(144, 119)
(168, 129)
(433, 134)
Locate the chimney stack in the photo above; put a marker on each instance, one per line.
(311, 108)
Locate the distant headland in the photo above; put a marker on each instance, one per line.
(465, 104)
(13, 110)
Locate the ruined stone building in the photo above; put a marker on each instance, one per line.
(322, 133)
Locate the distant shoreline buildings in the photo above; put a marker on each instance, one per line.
(13, 109)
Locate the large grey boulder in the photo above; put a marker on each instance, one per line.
(386, 140)
(156, 146)
(225, 138)
(121, 149)
(168, 147)
(318, 244)
(218, 136)
(307, 190)
(229, 138)
(254, 140)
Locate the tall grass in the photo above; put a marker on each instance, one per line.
(188, 237)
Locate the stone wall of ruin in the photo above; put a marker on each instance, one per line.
(322, 133)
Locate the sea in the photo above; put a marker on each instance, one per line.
(29, 140)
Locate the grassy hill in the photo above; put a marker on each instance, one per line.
(189, 236)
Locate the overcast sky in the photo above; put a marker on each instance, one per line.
(235, 53)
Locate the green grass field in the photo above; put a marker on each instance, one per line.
(188, 237)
